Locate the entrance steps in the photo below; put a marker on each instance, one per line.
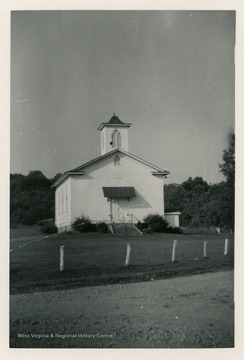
(126, 229)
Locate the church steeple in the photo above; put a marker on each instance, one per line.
(114, 134)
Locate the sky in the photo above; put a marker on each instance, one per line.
(169, 73)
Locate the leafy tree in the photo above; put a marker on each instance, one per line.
(174, 195)
(201, 204)
(188, 198)
(214, 209)
(31, 198)
(36, 179)
(228, 167)
(196, 185)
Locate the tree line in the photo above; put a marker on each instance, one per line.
(201, 204)
(31, 198)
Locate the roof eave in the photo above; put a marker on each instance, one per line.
(157, 170)
(159, 173)
(63, 177)
(113, 125)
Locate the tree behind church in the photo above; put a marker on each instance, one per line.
(31, 198)
(228, 170)
(202, 204)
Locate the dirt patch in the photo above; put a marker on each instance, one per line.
(187, 312)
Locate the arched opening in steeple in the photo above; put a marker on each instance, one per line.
(116, 139)
(114, 135)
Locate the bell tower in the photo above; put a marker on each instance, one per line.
(114, 134)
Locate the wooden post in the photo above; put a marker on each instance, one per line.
(226, 246)
(205, 249)
(173, 251)
(62, 258)
(127, 259)
(111, 210)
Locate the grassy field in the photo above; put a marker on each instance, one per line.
(95, 259)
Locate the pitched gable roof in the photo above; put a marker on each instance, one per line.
(117, 150)
(79, 170)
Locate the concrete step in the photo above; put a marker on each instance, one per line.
(127, 229)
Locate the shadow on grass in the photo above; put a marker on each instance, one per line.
(69, 279)
(92, 260)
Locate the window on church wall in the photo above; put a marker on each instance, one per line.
(103, 141)
(62, 200)
(116, 160)
(66, 198)
(58, 202)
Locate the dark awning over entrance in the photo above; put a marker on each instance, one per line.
(119, 192)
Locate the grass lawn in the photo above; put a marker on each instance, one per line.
(95, 259)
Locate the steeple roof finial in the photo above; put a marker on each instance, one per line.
(114, 121)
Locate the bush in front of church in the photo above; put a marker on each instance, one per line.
(83, 224)
(102, 227)
(156, 223)
(174, 230)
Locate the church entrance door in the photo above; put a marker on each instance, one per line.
(119, 210)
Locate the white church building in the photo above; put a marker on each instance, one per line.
(115, 187)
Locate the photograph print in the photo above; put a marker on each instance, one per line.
(122, 179)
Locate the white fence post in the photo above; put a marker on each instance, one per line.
(173, 250)
(127, 259)
(62, 258)
(226, 246)
(205, 249)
